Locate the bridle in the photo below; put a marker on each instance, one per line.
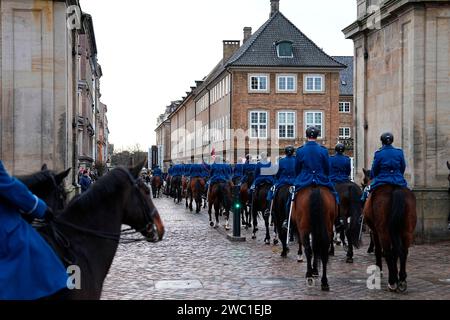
(148, 218)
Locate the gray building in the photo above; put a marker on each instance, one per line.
(402, 81)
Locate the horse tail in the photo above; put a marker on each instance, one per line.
(197, 189)
(320, 238)
(397, 218)
(355, 209)
(223, 194)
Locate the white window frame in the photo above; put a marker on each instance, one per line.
(286, 124)
(322, 132)
(286, 76)
(314, 77)
(345, 104)
(345, 136)
(254, 75)
(259, 124)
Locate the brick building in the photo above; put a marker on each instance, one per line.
(268, 90)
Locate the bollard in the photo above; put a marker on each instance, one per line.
(236, 215)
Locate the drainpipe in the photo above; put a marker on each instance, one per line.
(231, 116)
(74, 107)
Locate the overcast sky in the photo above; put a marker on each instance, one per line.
(152, 51)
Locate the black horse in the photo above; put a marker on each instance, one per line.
(48, 186)
(260, 204)
(176, 189)
(87, 233)
(281, 208)
(350, 208)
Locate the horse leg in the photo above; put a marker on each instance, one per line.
(283, 239)
(350, 247)
(402, 285)
(372, 244)
(378, 253)
(216, 211)
(331, 251)
(308, 253)
(266, 222)
(391, 260)
(300, 252)
(324, 258)
(227, 217)
(211, 223)
(315, 268)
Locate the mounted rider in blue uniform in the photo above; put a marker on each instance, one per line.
(340, 166)
(388, 166)
(198, 170)
(29, 268)
(286, 172)
(312, 164)
(219, 172)
(264, 173)
(249, 169)
(157, 172)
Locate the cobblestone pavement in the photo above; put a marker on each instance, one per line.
(195, 261)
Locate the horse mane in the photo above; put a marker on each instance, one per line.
(34, 179)
(103, 190)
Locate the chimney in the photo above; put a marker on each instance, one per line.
(274, 7)
(229, 48)
(247, 34)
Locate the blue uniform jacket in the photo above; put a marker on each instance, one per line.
(286, 172)
(220, 172)
(340, 168)
(85, 183)
(198, 170)
(29, 268)
(170, 171)
(177, 170)
(157, 172)
(238, 171)
(261, 177)
(388, 167)
(312, 167)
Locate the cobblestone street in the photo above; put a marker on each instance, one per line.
(195, 261)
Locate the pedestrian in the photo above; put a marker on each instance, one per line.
(30, 269)
(85, 181)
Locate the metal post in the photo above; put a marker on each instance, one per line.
(236, 216)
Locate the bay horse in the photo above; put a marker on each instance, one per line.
(281, 208)
(219, 196)
(157, 184)
(350, 207)
(314, 213)
(48, 186)
(260, 204)
(87, 233)
(390, 212)
(196, 190)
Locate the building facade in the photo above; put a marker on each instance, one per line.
(49, 73)
(262, 96)
(402, 81)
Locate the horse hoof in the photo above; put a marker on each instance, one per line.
(284, 254)
(216, 227)
(349, 260)
(331, 253)
(227, 228)
(300, 258)
(325, 287)
(392, 288)
(315, 274)
(267, 241)
(253, 237)
(402, 286)
(275, 242)
(255, 230)
(211, 224)
(370, 250)
(310, 282)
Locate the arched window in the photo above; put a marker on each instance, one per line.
(285, 49)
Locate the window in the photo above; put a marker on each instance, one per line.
(315, 119)
(258, 83)
(314, 83)
(258, 124)
(344, 107)
(287, 83)
(286, 125)
(344, 133)
(285, 49)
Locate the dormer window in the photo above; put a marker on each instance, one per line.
(285, 49)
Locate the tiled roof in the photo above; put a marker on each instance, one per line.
(260, 49)
(346, 75)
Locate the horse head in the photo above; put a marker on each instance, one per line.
(48, 186)
(367, 178)
(140, 212)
